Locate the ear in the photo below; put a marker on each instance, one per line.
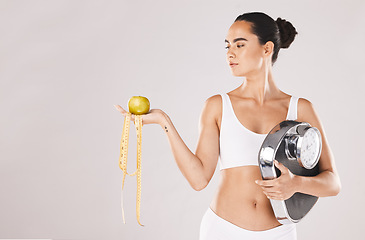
(268, 48)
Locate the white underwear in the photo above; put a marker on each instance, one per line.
(213, 227)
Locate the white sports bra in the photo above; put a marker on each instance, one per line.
(238, 145)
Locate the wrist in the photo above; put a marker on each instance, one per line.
(163, 119)
(298, 183)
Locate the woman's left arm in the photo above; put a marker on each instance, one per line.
(326, 183)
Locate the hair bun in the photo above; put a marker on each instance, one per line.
(287, 32)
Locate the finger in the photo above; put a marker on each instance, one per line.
(271, 191)
(270, 194)
(281, 166)
(124, 112)
(275, 197)
(120, 109)
(265, 183)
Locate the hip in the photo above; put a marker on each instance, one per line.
(213, 227)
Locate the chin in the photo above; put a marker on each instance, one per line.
(237, 74)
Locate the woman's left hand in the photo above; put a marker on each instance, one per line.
(280, 188)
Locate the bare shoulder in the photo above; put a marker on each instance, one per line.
(214, 103)
(213, 106)
(308, 113)
(306, 110)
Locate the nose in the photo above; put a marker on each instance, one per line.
(229, 57)
(230, 53)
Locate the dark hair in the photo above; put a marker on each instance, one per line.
(280, 32)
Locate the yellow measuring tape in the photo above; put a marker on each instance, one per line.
(123, 157)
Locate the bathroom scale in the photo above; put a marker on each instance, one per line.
(298, 146)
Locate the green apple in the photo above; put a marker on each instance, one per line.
(138, 105)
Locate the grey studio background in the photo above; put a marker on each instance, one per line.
(63, 64)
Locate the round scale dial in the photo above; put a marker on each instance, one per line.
(310, 148)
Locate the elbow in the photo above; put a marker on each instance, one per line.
(337, 188)
(336, 192)
(199, 187)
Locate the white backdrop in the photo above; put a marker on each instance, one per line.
(63, 64)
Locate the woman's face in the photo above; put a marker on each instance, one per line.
(243, 48)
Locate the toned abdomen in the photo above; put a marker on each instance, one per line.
(241, 201)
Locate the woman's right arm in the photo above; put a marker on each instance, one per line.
(197, 168)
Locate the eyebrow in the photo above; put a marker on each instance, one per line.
(235, 40)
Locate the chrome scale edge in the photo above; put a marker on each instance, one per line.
(275, 146)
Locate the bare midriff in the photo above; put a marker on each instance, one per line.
(240, 201)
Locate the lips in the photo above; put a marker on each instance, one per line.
(232, 64)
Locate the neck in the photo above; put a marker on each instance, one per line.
(260, 86)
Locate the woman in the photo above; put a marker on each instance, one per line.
(241, 208)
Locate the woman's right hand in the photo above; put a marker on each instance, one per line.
(153, 116)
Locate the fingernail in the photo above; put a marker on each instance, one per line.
(256, 181)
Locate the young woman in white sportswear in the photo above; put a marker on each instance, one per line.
(241, 208)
